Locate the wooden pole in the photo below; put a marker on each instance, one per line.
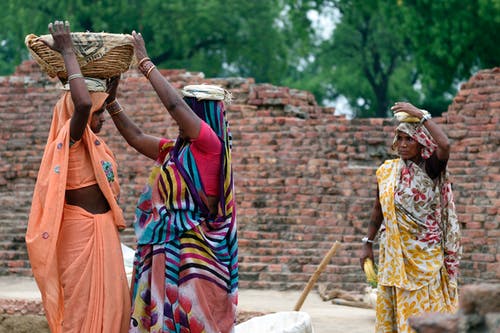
(315, 276)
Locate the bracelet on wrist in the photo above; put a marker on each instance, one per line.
(74, 76)
(112, 114)
(146, 68)
(148, 74)
(114, 108)
(111, 102)
(425, 117)
(142, 61)
(366, 240)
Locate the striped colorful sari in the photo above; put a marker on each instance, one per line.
(186, 267)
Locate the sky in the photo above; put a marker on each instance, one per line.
(324, 24)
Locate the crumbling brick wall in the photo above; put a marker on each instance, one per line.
(479, 312)
(304, 177)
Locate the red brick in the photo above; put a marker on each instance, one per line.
(300, 183)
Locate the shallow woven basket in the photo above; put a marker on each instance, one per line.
(100, 55)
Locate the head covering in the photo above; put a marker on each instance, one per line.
(64, 110)
(404, 117)
(207, 92)
(93, 85)
(207, 101)
(419, 133)
(49, 197)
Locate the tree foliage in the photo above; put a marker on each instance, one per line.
(365, 59)
(220, 38)
(450, 40)
(416, 50)
(380, 51)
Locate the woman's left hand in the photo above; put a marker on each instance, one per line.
(61, 37)
(408, 108)
(139, 46)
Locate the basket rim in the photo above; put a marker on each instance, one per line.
(110, 58)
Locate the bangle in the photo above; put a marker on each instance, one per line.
(425, 117)
(74, 76)
(115, 113)
(365, 240)
(143, 60)
(149, 71)
(114, 108)
(146, 67)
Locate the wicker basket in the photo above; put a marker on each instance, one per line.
(100, 55)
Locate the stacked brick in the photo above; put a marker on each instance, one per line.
(474, 125)
(479, 311)
(304, 177)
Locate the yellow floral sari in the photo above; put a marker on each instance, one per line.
(419, 245)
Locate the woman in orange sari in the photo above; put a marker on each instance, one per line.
(72, 235)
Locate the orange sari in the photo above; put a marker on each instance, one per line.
(76, 256)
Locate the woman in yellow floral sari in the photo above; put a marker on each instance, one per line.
(419, 232)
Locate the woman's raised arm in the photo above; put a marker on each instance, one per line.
(189, 123)
(62, 43)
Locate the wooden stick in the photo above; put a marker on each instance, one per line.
(356, 304)
(315, 276)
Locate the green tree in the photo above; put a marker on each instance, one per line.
(381, 50)
(366, 58)
(22, 17)
(219, 38)
(419, 50)
(450, 40)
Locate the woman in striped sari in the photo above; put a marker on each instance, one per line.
(185, 267)
(419, 233)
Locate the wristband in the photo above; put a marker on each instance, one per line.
(114, 108)
(74, 76)
(425, 117)
(365, 240)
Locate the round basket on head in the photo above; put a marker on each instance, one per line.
(100, 55)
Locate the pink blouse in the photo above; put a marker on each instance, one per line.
(206, 149)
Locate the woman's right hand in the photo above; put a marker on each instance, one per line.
(61, 37)
(139, 46)
(367, 253)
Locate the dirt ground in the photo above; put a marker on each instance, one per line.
(21, 309)
(23, 324)
(38, 324)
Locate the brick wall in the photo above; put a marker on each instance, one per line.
(304, 178)
(479, 311)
